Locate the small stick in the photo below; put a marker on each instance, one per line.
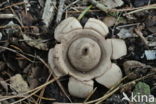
(7, 16)
(90, 95)
(131, 9)
(84, 12)
(121, 86)
(10, 16)
(127, 25)
(142, 9)
(30, 91)
(15, 4)
(60, 11)
(58, 82)
(43, 90)
(140, 34)
(107, 95)
(49, 12)
(73, 12)
(14, 51)
(71, 4)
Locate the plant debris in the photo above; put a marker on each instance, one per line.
(37, 43)
(41, 49)
(18, 85)
(112, 3)
(126, 33)
(150, 54)
(49, 12)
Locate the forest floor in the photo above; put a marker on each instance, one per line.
(27, 34)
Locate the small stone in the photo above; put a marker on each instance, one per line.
(109, 21)
(139, 69)
(126, 33)
(138, 3)
(150, 54)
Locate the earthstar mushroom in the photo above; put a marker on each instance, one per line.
(84, 54)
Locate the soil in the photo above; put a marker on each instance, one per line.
(19, 56)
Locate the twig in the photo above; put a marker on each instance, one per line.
(142, 9)
(90, 95)
(44, 98)
(15, 4)
(60, 11)
(60, 85)
(127, 25)
(7, 16)
(18, 101)
(10, 16)
(140, 34)
(84, 12)
(119, 83)
(121, 86)
(139, 79)
(58, 82)
(49, 11)
(71, 4)
(107, 95)
(104, 97)
(14, 51)
(35, 89)
(131, 9)
(42, 92)
(72, 12)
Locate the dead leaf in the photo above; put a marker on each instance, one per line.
(18, 84)
(109, 21)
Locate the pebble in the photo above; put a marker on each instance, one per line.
(138, 3)
(150, 54)
(109, 21)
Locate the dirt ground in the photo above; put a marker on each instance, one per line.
(27, 29)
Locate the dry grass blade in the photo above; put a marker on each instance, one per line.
(44, 98)
(33, 91)
(18, 101)
(132, 9)
(84, 12)
(15, 4)
(90, 95)
(58, 82)
(14, 51)
(142, 9)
